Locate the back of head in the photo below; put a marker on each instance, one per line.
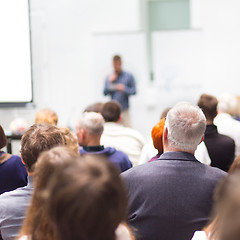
(96, 107)
(46, 116)
(208, 104)
(227, 200)
(91, 122)
(228, 103)
(37, 224)
(185, 125)
(111, 111)
(87, 200)
(39, 138)
(3, 138)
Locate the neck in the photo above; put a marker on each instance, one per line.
(209, 122)
(168, 148)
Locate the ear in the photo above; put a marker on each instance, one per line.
(165, 133)
(120, 119)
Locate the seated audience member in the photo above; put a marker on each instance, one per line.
(37, 225)
(116, 135)
(70, 139)
(95, 197)
(224, 121)
(220, 148)
(152, 149)
(13, 173)
(89, 131)
(226, 225)
(157, 133)
(96, 107)
(171, 198)
(38, 138)
(46, 116)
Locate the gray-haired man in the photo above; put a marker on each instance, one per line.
(172, 197)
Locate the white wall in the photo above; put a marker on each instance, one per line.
(72, 44)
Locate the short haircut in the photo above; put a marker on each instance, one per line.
(208, 104)
(117, 58)
(46, 116)
(96, 107)
(39, 138)
(91, 122)
(186, 125)
(87, 199)
(111, 111)
(3, 138)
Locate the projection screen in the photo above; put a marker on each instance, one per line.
(15, 53)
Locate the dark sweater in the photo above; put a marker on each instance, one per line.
(220, 148)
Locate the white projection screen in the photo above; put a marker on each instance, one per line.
(15, 53)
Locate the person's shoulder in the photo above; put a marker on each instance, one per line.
(213, 172)
(142, 171)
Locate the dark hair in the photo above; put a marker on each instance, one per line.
(96, 107)
(117, 58)
(3, 138)
(111, 111)
(37, 224)
(208, 104)
(87, 199)
(39, 138)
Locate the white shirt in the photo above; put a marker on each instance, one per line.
(125, 139)
(201, 154)
(228, 126)
(199, 235)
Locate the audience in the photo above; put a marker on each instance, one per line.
(220, 148)
(37, 225)
(116, 135)
(89, 131)
(13, 174)
(83, 197)
(38, 138)
(86, 199)
(224, 121)
(46, 116)
(171, 197)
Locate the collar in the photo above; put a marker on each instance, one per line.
(211, 129)
(93, 148)
(181, 156)
(30, 181)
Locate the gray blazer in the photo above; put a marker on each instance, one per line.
(170, 198)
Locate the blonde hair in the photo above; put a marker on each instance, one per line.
(70, 139)
(46, 116)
